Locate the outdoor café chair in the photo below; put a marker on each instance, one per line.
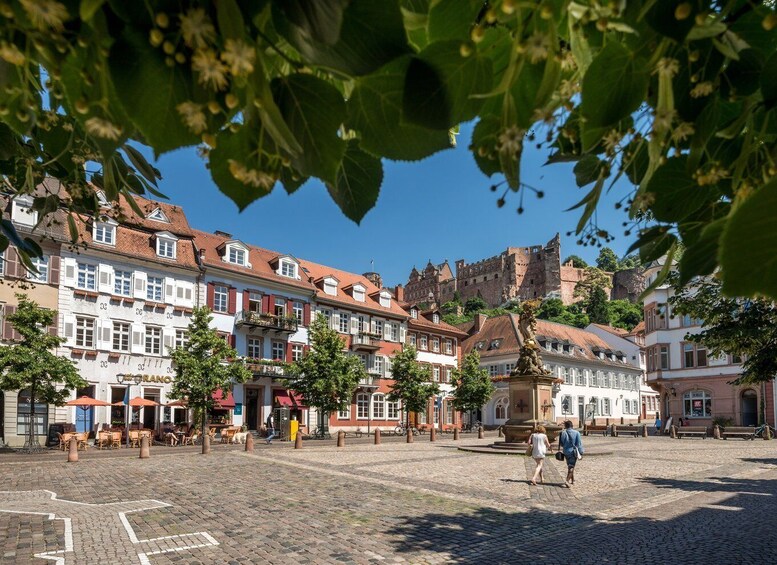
(134, 437)
(103, 440)
(115, 440)
(82, 439)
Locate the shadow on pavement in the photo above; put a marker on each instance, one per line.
(735, 530)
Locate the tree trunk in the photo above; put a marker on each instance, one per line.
(31, 429)
(204, 427)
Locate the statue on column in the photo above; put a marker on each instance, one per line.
(529, 362)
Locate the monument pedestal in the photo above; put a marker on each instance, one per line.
(531, 401)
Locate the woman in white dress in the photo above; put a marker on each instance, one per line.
(540, 445)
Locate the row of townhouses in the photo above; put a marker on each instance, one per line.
(126, 298)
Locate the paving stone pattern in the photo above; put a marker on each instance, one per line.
(652, 500)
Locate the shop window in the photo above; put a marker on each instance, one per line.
(39, 418)
(697, 404)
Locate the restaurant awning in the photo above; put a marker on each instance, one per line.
(289, 398)
(223, 403)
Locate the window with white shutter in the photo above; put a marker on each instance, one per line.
(140, 285)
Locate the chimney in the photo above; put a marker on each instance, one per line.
(222, 233)
(480, 320)
(399, 293)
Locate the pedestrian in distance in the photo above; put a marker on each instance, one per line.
(570, 443)
(680, 422)
(658, 425)
(540, 445)
(270, 430)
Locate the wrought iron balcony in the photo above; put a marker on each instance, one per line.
(374, 373)
(266, 368)
(369, 382)
(365, 342)
(265, 320)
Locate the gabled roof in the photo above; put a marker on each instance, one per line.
(346, 279)
(421, 323)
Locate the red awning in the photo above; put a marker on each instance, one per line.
(223, 403)
(297, 398)
(282, 399)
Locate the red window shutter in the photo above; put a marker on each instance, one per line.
(305, 349)
(232, 341)
(288, 352)
(11, 262)
(210, 295)
(306, 315)
(246, 298)
(54, 268)
(271, 303)
(266, 303)
(289, 308)
(232, 304)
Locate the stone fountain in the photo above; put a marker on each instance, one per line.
(530, 389)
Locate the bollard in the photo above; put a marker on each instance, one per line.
(621, 420)
(500, 432)
(644, 430)
(716, 432)
(481, 435)
(455, 434)
(298, 441)
(614, 430)
(341, 438)
(205, 444)
(433, 434)
(250, 442)
(72, 450)
(607, 422)
(377, 436)
(409, 436)
(767, 433)
(145, 452)
(673, 432)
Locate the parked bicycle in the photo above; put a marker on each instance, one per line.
(401, 429)
(320, 433)
(471, 426)
(761, 430)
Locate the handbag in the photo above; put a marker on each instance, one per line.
(559, 456)
(530, 447)
(578, 454)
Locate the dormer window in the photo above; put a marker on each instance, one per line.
(22, 213)
(436, 318)
(237, 255)
(414, 313)
(359, 293)
(288, 269)
(385, 299)
(166, 245)
(330, 286)
(104, 232)
(158, 216)
(495, 343)
(479, 345)
(102, 200)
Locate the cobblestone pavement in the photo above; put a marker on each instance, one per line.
(651, 500)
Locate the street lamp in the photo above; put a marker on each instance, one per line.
(129, 380)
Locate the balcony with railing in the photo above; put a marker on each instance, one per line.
(266, 320)
(363, 341)
(369, 382)
(266, 367)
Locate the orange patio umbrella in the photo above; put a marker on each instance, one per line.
(181, 402)
(86, 402)
(138, 402)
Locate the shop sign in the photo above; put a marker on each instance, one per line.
(161, 379)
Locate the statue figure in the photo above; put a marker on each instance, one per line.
(529, 362)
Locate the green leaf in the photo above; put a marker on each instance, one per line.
(676, 194)
(614, 86)
(646, 236)
(656, 248)
(743, 77)
(661, 17)
(301, 99)
(372, 34)
(140, 163)
(590, 201)
(237, 146)
(485, 135)
(587, 170)
(230, 19)
(9, 142)
(768, 82)
(88, 8)
(375, 111)
(149, 91)
(701, 258)
(358, 182)
(452, 19)
(748, 247)
(440, 84)
(318, 19)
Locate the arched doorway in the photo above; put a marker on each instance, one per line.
(501, 407)
(749, 408)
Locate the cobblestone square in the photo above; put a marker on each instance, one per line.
(645, 500)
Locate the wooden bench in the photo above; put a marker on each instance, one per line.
(590, 429)
(631, 430)
(743, 432)
(698, 431)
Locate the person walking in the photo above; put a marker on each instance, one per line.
(540, 445)
(658, 424)
(270, 430)
(570, 443)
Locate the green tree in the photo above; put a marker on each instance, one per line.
(326, 376)
(474, 305)
(675, 97)
(629, 262)
(550, 308)
(31, 363)
(607, 260)
(577, 261)
(203, 365)
(596, 306)
(746, 328)
(472, 387)
(412, 382)
(624, 314)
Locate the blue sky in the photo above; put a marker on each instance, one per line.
(439, 208)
